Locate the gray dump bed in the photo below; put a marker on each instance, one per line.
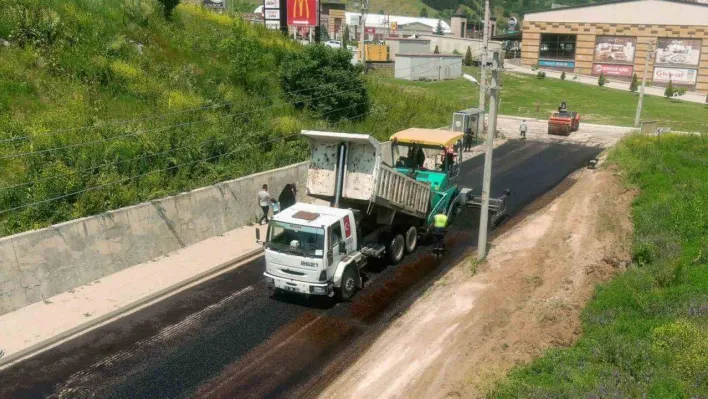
(366, 179)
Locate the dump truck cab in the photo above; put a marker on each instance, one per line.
(306, 245)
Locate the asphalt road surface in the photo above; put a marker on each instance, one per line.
(230, 337)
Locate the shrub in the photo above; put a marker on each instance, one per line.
(541, 74)
(634, 85)
(669, 91)
(456, 52)
(436, 51)
(34, 26)
(424, 12)
(168, 7)
(563, 75)
(138, 12)
(601, 80)
(324, 80)
(468, 57)
(679, 92)
(534, 67)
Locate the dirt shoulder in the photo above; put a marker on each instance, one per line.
(467, 331)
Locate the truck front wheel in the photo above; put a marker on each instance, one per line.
(411, 239)
(349, 285)
(396, 248)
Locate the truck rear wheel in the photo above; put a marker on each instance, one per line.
(411, 239)
(396, 248)
(349, 285)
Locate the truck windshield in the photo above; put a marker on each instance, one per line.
(296, 239)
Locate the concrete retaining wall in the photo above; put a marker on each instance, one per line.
(39, 264)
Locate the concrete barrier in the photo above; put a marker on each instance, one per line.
(39, 264)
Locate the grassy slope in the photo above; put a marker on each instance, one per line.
(93, 75)
(595, 104)
(645, 334)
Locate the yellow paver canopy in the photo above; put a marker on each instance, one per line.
(427, 137)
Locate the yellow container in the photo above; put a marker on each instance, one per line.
(376, 52)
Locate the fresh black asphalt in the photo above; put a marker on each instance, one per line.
(229, 337)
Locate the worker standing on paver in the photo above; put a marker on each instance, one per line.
(439, 230)
(264, 202)
(523, 128)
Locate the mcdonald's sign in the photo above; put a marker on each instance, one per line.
(303, 12)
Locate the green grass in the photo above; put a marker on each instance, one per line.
(645, 333)
(76, 63)
(520, 93)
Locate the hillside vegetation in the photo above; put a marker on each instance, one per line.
(645, 333)
(107, 104)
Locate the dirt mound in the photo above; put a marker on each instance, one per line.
(467, 331)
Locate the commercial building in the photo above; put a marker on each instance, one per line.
(380, 26)
(613, 38)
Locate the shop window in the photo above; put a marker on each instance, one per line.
(558, 47)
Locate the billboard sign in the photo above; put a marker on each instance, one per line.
(615, 49)
(370, 30)
(556, 64)
(275, 25)
(272, 15)
(678, 52)
(624, 71)
(680, 76)
(272, 4)
(302, 12)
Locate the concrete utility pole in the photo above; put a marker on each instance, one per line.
(491, 132)
(363, 9)
(650, 51)
(483, 73)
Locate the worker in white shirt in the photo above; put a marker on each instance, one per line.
(264, 202)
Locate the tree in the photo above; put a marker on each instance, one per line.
(381, 11)
(345, 36)
(468, 57)
(669, 91)
(634, 84)
(424, 12)
(563, 75)
(601, 80)
(436, 51)
(439, 29)
(168, 7)
(325, 81)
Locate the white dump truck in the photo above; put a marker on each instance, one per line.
(375, 210)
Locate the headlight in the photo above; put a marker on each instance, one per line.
(320, 290)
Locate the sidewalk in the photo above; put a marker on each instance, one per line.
(592, 80)
(43, 324)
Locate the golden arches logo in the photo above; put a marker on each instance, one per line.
(298, 6)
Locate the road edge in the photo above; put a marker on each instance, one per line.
(39, 347)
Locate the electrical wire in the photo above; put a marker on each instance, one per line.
(80, 171)
(93, 188)
(160, 116)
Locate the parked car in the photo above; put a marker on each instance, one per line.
(333, 43)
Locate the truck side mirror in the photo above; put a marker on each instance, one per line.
(342, 247)
(258, 235)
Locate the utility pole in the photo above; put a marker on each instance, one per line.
(491, 132)
(650, 51)
(483, 73)
(363, 9)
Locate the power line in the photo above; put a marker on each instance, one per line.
(27, 183)
(141, 119)
(93, 188)
(161, 116)
(164, 128)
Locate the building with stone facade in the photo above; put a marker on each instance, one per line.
(614, 37)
